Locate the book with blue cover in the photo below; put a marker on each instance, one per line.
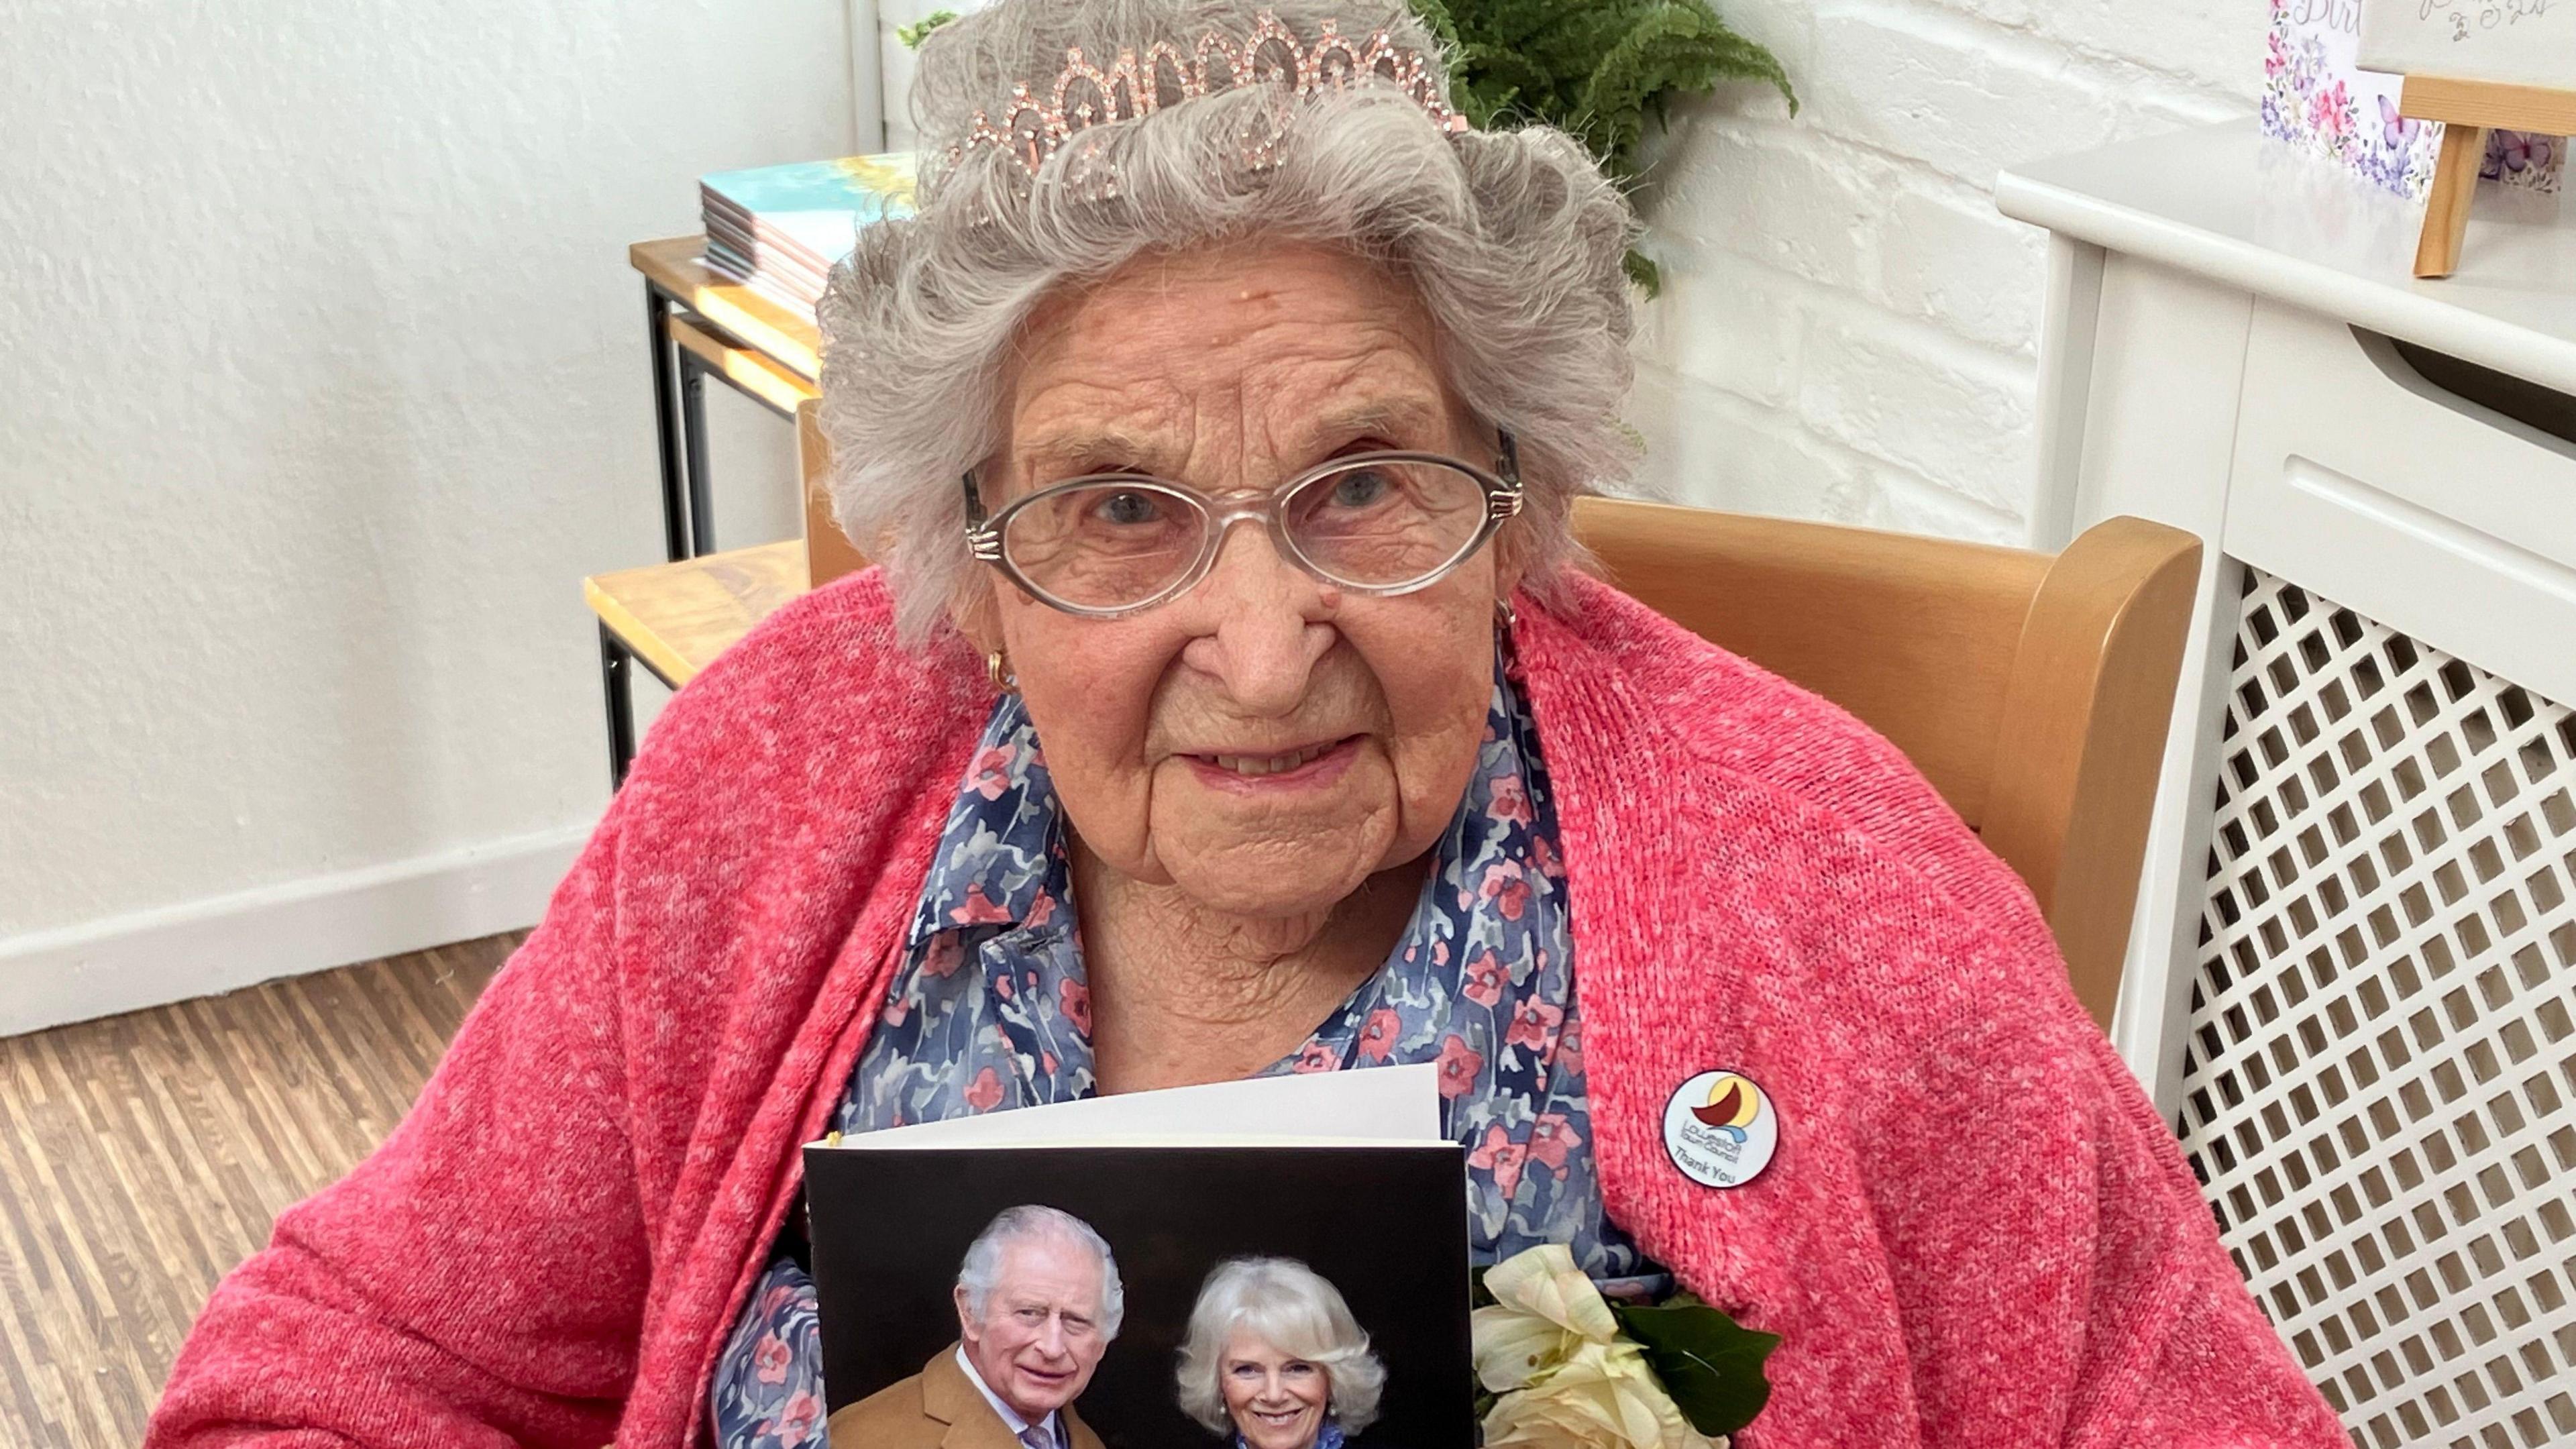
(781, 228)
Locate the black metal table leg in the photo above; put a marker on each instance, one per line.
(666, 421)
(616, 682)
(693, 435)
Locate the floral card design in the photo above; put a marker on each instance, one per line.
(2316, 99)
(2518, 158)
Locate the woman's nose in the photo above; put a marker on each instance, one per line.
(1261, 623)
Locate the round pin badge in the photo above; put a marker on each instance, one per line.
(1721, 1129)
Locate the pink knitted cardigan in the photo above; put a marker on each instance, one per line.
(1976, 1231)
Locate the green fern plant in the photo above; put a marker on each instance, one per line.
(913, 35)
(1595, 68)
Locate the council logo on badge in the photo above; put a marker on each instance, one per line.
(1720, 1129)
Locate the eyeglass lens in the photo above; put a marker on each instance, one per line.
(1375, 524)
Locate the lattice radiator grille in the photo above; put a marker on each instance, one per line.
(2380, 1086)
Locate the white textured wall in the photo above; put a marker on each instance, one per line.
(322, 383)
(1847, 329)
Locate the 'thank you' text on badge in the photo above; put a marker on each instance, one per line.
(1721, 1129)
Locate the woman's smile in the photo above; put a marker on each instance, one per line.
(1277, 1399)
(1306, 767)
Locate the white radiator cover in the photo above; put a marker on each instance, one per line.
(2351, 979)
(2380, 1075)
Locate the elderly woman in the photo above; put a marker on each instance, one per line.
(1274, 1358)
(1231, 701)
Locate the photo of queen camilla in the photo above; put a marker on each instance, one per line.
(1274, 1359)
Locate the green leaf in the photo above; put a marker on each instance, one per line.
(1478, 1295)
(1709, 1364)
(913, 35)
(1598, 69)
(1643, 271)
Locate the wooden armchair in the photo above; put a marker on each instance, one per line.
(2032, 689)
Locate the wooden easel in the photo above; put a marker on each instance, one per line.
(2467, 110)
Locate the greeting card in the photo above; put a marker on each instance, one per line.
(2317, 99)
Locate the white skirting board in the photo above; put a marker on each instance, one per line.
(206, 947)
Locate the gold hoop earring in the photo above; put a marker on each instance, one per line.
(997, 668)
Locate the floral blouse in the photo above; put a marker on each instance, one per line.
(991, 1011)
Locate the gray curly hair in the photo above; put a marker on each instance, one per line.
(1512, 240)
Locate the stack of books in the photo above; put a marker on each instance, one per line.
(780, 229)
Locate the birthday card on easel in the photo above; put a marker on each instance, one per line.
(2516, 42)
(2323, 96)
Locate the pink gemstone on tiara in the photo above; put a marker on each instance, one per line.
(1085, 95)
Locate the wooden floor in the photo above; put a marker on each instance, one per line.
(144, 1155)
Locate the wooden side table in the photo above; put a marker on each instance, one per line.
(698, 325)
(678, 614)
(673, 618)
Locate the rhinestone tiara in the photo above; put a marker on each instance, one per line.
(1032, 129)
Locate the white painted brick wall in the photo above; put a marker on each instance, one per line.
(1848, 329)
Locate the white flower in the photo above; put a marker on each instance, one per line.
(1604, 1397)
(1551, 1348)
(1544, 1309)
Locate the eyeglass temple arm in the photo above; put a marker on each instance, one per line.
(981, 540)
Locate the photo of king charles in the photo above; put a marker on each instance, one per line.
(1038, 1302)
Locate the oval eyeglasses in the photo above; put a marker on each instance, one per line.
(1111, 544)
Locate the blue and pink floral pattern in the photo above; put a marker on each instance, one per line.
(992, 1011)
